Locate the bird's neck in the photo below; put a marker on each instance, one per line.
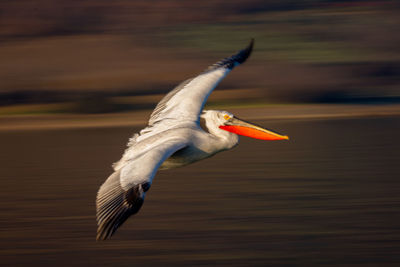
(223, 140)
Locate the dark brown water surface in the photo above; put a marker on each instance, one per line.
(329, 196)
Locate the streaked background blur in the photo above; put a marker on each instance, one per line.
(78, 78)
(107, 56)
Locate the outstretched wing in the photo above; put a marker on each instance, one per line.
(122, 194)
(186, 101)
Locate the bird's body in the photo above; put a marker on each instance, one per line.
(200, 144)
(173, 138)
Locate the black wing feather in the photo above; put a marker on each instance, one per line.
(115, 205)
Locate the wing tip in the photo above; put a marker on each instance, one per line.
(114, 205)
(235, 59)
(242, 55)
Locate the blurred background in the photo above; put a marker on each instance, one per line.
(79, 77)
(109, 56)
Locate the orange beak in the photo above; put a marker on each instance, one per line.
(244, 128)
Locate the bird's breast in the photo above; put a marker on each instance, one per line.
(184, 157)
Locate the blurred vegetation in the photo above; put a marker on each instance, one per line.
(108, 56)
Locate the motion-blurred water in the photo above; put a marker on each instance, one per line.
(331, 195)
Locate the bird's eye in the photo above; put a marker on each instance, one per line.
(227, 117)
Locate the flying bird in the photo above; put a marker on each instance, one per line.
(173, 138)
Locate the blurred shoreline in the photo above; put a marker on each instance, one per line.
(140, 118)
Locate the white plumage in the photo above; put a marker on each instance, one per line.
(172, 138)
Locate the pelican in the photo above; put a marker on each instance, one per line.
(173, 138)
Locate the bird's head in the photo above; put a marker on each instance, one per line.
(228, 122)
